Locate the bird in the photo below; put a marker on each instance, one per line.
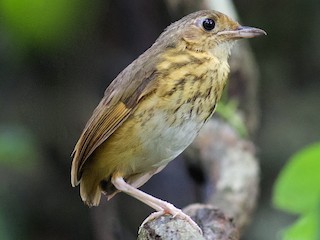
(154, 109)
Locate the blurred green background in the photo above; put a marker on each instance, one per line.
(56, 59)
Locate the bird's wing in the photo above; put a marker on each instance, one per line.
(120, 101)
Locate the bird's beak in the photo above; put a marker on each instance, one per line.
(243, 32)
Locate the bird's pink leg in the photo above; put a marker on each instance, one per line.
(161, 206)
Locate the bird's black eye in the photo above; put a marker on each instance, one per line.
(208, 24)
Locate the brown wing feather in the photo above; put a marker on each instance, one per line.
(117, 105)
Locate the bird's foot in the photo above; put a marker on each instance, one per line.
(169, 208)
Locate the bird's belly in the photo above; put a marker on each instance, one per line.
(164, 136)
(147, 141)
(157, 132)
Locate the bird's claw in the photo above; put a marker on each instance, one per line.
(175, 212)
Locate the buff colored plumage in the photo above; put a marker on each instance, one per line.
(155, 108)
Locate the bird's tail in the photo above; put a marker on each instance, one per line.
(90, 191)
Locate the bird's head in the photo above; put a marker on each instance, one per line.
(208, 30)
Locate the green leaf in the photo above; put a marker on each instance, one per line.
(297, 189)
(229, 112)
(304, 229)
(40, 22)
